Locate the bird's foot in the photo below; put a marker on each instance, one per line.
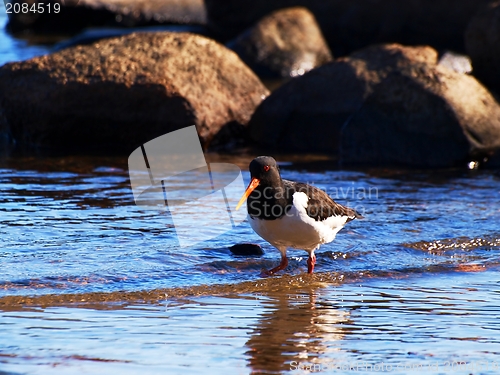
(311, 261)
(283, 264)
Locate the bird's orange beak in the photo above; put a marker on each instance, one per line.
(251, 187)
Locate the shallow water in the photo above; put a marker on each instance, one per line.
(72, 227)
(22, 48)
(433, 323)
(91, 283)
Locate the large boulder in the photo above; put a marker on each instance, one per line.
(426, 116)
(482, 40)
(286, 43)
(74, 15)
(386, 104)
(119, 93)
(349, 25)
(307, 113)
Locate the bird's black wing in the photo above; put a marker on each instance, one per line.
(320, 206)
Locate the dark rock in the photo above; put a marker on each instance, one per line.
(247, 249)
(307, 113)
(74, 15)
(383, 105)
(425, 116)
(286, 43)
(482, 40)
(349, 25)
(119, 93)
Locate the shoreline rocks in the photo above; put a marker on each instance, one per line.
(118, 93)
(75, 15)
(382, 105)
(423, 116)
(349, 25)
(307, 113)
(285, 43)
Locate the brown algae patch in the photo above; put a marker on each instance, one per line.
(116, 300)
(285, 283)
(278, 284)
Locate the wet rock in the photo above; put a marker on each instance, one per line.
(286, 43)
(426, 116)
(457, 62)
(247, 249)
(349, 25)
(386, 104)
(75, 15)
(116, 94)
(482, 40)
(307, 113)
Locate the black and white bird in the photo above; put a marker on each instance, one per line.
(291, 214)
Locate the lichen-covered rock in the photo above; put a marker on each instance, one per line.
(386, 104)
(119, 93)
(286, 43)
(74, 15)
(482, 41)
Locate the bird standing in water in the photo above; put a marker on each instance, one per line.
(291, 214)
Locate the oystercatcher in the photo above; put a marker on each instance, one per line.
(291, 214)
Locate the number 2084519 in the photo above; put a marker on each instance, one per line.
(35, 8)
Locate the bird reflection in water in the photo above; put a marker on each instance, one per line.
(295, 328)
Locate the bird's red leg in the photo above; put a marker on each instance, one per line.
(311, 261)
(283, 264)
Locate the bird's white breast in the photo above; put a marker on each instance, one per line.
(296, 229)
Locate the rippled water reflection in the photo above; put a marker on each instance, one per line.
(71, 226)
(90, 282)
(435, 323)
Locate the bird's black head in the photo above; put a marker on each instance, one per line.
(265, 169)
(265, 175)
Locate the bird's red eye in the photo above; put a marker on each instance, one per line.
(267, 168)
